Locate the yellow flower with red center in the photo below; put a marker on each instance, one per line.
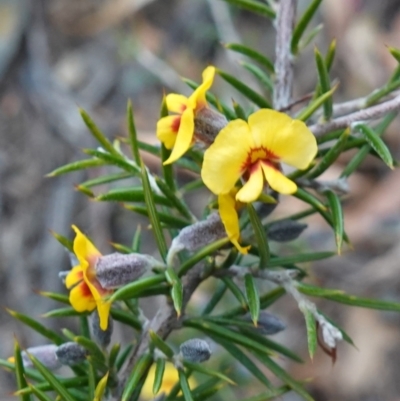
(86, 292)
(176, 131)
(254, 150)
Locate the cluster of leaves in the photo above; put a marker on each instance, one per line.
(168, 212)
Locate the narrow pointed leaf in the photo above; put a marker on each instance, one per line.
(311, 326)
(63, 298)
(105, 179)
(98, 135)
(330, 55)
(246, 91)
(76, 166)
(269, 395)
(236, 291)
(254, 6)
(161, 344)
(53, 380)
(132, 290)
(100, 388)
(240, 113)
(253, 54)
(20, 371)
(136, 375)
(113, 355)
(131, 194)
(303, 24)
(309, 37)
(207, 371)
(71, 382)
(39, 328)
(253, 298)
(216, 296)
(331, 156)
(187, 394)
(40, 395)
(123, 356)
(151, 207)
(64, 241)
(125, 164)
(376, 143)
(260, 235)
(176, 289)
(63, 312)
(93, 349)
(159, 374)
(324, 83)
(133, 139)
(338, 218)
(260, 75)
(306, 113)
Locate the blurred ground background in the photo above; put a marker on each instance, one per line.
(60, 54)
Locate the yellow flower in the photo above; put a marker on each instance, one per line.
(86, 292)
(254, 151)
(227, 208)
(176, 131)
(170, 378)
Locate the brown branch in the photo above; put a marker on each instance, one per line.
(369, 113)
(283, 63)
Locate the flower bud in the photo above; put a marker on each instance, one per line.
(207, 124)
(267, 323)
(45, 354)
(195, 350)
(102, 337)
(199, 234)
(71, 354)
(117, 269)
(285, 230)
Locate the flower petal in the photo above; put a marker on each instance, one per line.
(184, 137)
(167, 130)
(230, 220)
(81, 298)
(277, 181)
(176, 103)
(253, 187)
(224, 159)
(74, 277)
(198, 97)
(84, 250)
(290, 140)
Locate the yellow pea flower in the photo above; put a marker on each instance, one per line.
(176, 131)
(254, 150)
(86, 292)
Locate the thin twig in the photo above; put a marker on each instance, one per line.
(369, 113)
(283, 63)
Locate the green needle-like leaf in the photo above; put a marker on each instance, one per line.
(331, 156)
(176, 289)
(39, 328)
(216, 296)
(151, 207)
(159, 374)
(246, 91)
(269, 395)
(324, 83)
(376, 143)
(260, 235)
(136, 375)
(187, 394)
(100, 388)
(132, 290)
(133, 139)
(253, 298)
(330, 55)
(20, 371)
(94, 350)
(207, 371)
(76, 166)
(338, 219)
(260, 75)
(254, 6)
(119, 161)
(40, 395)
(161, 344)
(131, 194)
(311, 326)
(253, 54)
(53, 380)
(105, 179)
(236, 291)
(303, 23)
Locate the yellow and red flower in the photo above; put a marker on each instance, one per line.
(254, 151)
(86, 292)
(176, 131)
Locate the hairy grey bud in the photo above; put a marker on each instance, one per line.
(45, 354)
(285, 230)
(207, 124)
(195, 350)
(102, 337)
(71, 353)
(200, 234)
(267, 323)
(117, 269)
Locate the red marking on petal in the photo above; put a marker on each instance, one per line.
(256, 155)
(176, 123)
(85, 290)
